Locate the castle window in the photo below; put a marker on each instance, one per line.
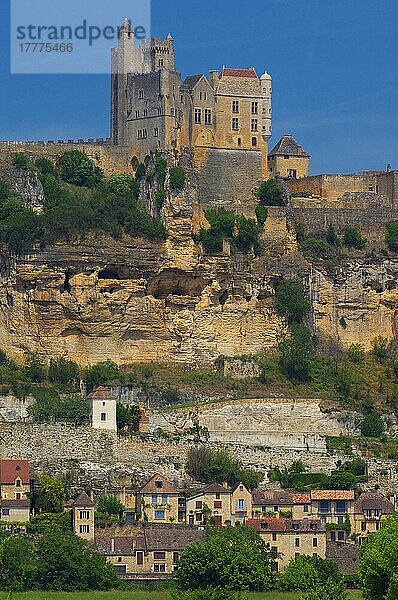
(235, 106)
(203, 95)
(159, 112)
(254, 108)
(84, 528)
(254, 141)
(173, 112)
(156, 132)
(137, 114)
(145, 112)
(239, 141)
(144, 134)
(84, 514)
(103, 416)
(235, 124)
(297, 542)
(208, 119)
(254, 125)
(315, 542)
(274, 537)
(140, 94)
(161, 62)
(198, 116)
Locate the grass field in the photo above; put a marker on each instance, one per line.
(138, 595)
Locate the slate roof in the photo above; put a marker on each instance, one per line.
(239, 73)
(150, 486)
(215, 488)
(83, 499)
(288, 146)
(102, 393)
(286, 525)
(374, 501)
(332, 495)
(190, 82)
(172, 538)
(11, 469)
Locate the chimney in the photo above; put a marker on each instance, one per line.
(388, 168)
(225, 485)
(213, 78)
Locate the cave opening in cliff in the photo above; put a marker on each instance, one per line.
(108, 273)
(223, 297)
(66, 287)
(173, 282)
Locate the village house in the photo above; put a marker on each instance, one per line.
(241, 504)
(158, 501)
(150, 552)
(281, 503)
(15, 487)
(83, 517)
(103, 402)
(211, 504)
(334, 508)
(370, 510)
(291, 537)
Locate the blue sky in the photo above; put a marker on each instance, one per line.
(333, 63)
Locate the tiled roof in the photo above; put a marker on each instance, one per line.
(286, 525)
(172, 538)
(332, 495)
(215, 488)
(374, 501)
(15, 503)
(239, 73)
(279, 498)
(190, 82)
(151, 488)
(288, 146)
(83, 499)
(122, 545)
(11, 469)
(302, 498)
(102, 393)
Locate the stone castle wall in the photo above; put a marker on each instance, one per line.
(112, 159)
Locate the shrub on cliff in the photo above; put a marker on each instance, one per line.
(77, 168)
(297, 352)
(65, 372)
(177, 178)
(291, 301)
(21, 161)
(102, 373)
(392, 235)
(372, 425)
(227, 225)
(5, 191)
(261, 214)
(212, 466)
(270, 193)
(353, 238)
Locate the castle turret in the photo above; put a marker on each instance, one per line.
(266, 90)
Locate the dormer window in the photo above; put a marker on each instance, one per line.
(159, 484)
(18, 482)
(264, 525)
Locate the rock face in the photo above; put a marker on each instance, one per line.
(358, 303)
(133, 300)
(295, 425)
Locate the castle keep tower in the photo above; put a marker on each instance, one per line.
(153, 111)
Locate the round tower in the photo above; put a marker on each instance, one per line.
(266, 91)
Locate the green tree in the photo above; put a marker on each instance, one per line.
(270, 193)
(128, 416)
(379, 563)
(65, 372)
(353, 238)
(392, 235)
(21, 161)
(261, 214)
(331, 236)
(74, 408)
(66, 563)
(232, 557)
(331, 590)
(35, 369)
(46, 167)
(17, 564)
(110, 505)
(102, 373)
(248, 234)
(5, 191)
(342, 480)
(122, 185)
(50, 496)
(177, 178)
(77, 168)
(355, 353)
(161, 167)
(300, 575)
(291, 301)
(297, 353)
(372, 425)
